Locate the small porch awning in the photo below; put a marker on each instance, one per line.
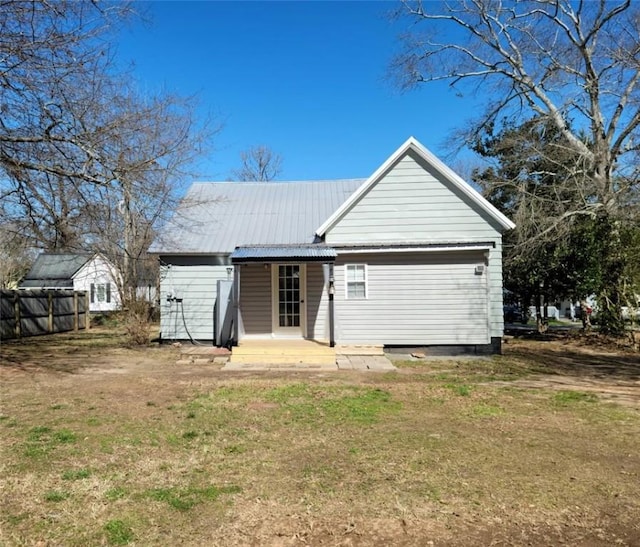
(293, 253)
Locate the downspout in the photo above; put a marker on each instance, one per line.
(332, 340)
(236, 305)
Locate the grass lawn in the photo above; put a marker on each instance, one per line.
(109, 446)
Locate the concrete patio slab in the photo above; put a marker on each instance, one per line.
(363, 363)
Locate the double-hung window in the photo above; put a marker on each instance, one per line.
(100, 292)
(356, 281)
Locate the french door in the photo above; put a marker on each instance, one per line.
(288, 288)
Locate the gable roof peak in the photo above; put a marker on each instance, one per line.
(413, 144)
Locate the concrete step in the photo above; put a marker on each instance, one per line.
(365, 362)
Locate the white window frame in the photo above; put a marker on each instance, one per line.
(105, 288)
(346, 281)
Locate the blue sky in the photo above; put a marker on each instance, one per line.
(307, 79)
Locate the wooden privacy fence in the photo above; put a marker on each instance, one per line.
(42, 311)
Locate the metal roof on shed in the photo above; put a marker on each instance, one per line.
(304, 253)
(217, 217)
(52, 266)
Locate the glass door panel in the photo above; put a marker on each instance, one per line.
(289, 295)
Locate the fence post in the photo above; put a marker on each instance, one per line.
(16, 313)
(50, 317)
(87, 317)
(76, 321)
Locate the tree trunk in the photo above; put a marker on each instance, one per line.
(611, 293)
(541, 324)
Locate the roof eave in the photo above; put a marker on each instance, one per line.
(91, 257)
(282, 253)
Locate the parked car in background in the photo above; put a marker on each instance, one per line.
(513, 313)
(631, 314)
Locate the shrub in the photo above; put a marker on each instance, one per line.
(137, 325)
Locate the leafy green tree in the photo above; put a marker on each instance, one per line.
(533, 179)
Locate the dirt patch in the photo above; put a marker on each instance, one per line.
(97, 437)
(602, 367)
(573, 355)
(620, 392)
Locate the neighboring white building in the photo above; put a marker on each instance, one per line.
(411, 256)
(80, 272)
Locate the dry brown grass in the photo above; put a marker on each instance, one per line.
(103, 445)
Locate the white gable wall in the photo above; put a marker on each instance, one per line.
(413, 203)
(98, 271)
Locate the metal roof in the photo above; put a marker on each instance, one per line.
(217, 217)
(47, 284)
(49, 267)
(304, 253)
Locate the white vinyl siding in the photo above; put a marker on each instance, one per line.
(316, 302)
(411, 203)
(423, 298)
(196, 285)
(255, 298)
(99, 278)
(355, 281)
(494, 276)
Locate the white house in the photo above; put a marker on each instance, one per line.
(411, 256)
(81, 272)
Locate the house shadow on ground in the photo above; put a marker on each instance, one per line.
(591, 355)
(67, 352)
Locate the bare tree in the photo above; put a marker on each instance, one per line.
(86, 162)
(53, 58)
(148, 148)
(573, 64)
(259, 163)
(15, 256)
(48, 51)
